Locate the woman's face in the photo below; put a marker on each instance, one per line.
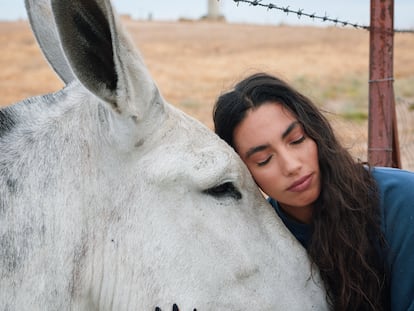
(281, 158)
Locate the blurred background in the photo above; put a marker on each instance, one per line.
(197, 49)
(350, 10)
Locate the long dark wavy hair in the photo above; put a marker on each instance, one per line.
(346, 244)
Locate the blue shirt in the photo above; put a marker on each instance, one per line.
(396, 190)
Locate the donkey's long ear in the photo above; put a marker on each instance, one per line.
(44, 28)
(103, 58)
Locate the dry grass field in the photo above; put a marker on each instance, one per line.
(193, 61)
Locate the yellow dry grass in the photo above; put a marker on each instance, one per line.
(193, 62)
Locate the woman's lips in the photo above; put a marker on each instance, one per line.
(301, 184)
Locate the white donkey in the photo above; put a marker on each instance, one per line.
(111, 199)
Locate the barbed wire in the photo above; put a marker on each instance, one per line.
(313, 16)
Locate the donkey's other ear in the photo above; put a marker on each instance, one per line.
(85, 35)
(44, 28)
(103, 57)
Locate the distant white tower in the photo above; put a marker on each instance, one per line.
(213, 10)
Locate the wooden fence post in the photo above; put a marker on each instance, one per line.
(383, 145)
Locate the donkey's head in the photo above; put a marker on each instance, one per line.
(112, 199)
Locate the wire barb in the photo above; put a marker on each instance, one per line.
(300, 12)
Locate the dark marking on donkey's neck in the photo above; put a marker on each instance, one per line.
(7, 122)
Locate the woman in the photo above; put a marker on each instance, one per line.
(356, 222)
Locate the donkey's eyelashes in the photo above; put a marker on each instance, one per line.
(174, 308)
(227, 189)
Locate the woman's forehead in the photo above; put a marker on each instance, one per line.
(261, 124)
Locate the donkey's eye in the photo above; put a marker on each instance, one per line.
(224, 190)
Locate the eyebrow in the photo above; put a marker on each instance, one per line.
(259, 148)
(253, 150)
(290, 128)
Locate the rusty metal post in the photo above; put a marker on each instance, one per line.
(383, 148)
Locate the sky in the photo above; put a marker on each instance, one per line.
(354, 11)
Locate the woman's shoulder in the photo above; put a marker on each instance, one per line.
(395, 187)
(396, 198)
(393, 179)
(381, 171)
(396, 191)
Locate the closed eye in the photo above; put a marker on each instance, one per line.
(263, 163)
(298, 141)
(224, 190)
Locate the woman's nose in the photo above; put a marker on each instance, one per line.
(289, 162)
